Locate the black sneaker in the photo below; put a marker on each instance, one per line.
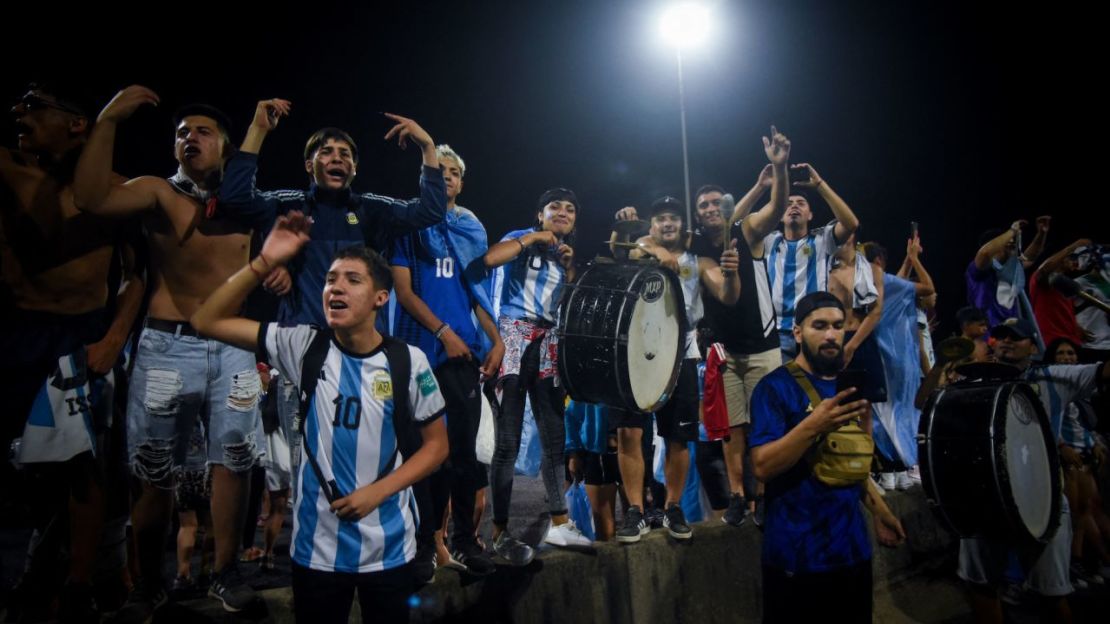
(76, 604)
(675, 522)
(141, 604)
(760, 512)
(182, 587)
(513, 550)
(736, 511)
(424, 565)
(472, 559)
(229, 587)
(633, 527)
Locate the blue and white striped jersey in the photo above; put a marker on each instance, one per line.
(1075, 432)
(530, 286)
(797, 268)
(1057, 385)
(349, 429)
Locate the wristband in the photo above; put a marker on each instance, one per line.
(250, 265)
(521, 243)
(439, 332)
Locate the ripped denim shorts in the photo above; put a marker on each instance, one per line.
(178, 378)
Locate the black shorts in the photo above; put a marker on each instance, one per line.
(678, 418)
(597, 468)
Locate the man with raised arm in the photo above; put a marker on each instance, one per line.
(746, 328)
(180, 376)
(65, 321)
(798, 257)
(354, 522)
(677, 420)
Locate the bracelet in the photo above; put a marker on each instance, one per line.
(521, 243)
(250, 265)
(439, 332)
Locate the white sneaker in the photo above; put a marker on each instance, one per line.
(878, 486)
(886, 480)
(903, 480)
(566, 535)
(915, 473)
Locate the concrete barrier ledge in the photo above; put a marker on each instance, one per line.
(714, 577)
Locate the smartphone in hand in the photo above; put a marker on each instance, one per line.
(852, 378)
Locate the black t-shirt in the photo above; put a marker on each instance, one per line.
(748, 326)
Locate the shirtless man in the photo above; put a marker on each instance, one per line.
(62, 326)
(180, 376)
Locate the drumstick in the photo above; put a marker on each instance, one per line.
(623, 245)
(726, 200)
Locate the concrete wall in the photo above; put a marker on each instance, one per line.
(713, 577)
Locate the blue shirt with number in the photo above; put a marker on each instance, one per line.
(439, 283)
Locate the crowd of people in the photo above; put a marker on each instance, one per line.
(151, 378)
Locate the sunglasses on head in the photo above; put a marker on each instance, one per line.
(32, 102)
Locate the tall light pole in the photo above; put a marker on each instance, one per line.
(684, 25)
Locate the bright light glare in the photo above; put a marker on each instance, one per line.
(684, 25)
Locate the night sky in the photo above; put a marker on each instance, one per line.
(959, 118)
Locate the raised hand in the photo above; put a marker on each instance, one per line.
(628, 213)
(1043, 223)
(406, 129)
(805, 176)
(290, 233)
(766, 176)
(269, 112)
(777, 147)
(126, 102)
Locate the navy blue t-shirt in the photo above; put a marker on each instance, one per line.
(810, 527)
(439, 283)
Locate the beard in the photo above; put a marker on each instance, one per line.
(824, 365)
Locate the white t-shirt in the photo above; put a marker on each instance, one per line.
(690, 279)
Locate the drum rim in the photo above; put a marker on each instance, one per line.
(1004, 491)
(1003, 495)
(623, 380)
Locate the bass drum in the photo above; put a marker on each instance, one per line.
(988, 462)
(621, 337)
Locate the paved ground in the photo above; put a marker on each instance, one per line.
(915, 596)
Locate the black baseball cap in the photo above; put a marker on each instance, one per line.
(814, 301)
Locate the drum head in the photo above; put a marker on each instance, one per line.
(1028, 465)
(654, 340)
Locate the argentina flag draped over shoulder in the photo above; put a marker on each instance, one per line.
(896, 420)
(463, 236)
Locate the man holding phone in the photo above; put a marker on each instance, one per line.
(815, 545)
